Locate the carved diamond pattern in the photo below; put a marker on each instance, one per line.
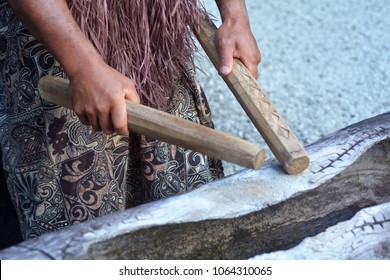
(267, 109)
(283, 132)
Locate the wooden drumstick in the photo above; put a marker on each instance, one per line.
(170, 129)
(259, 108)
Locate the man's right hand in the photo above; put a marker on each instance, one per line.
(98, 96)
(98, 91)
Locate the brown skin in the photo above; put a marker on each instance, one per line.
(234, 38)
(98, 91)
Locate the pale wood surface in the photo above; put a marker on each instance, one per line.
(252, 213)
(259, 108)
(171, 129)
(365, 236)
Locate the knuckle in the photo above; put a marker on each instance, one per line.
(78, 109)
(89, 111)
(223, 41)
(130, 87)
(120, 128)
(108, 131)
(258, 57)
(255, 56)
(79, 112)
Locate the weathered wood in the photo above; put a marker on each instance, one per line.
(259, 108)
(365, 236)
(169, 128)
(249, 213)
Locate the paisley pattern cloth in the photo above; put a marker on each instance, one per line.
(60, 172)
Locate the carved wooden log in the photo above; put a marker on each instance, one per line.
(365, 236)
(252, 213)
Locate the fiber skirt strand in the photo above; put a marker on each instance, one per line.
(146, 40)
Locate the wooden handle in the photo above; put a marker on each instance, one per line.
(171, 129)
(259, 108)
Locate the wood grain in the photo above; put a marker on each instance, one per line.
(259, 108)
(171, 129)
(317, 215)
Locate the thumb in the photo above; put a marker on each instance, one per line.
(131, 92)
(226, 59)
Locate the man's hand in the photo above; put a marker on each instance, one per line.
(98, 91)
(234, 38)
(98, 97)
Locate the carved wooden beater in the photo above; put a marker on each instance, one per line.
(168, 128)
(259, 108)
(281, 140)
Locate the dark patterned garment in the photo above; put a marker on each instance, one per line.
(60, 172)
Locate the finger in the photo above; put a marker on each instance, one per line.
(106, 125)
(251, 64)
(253, 70)
(94, 122)
(131, 92)
(119, 118)
(226, 51)
(83, 119)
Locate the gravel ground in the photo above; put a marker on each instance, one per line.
(325, 65)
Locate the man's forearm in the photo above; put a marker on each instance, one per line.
(234, 38)
(51, 22)
(231, 9)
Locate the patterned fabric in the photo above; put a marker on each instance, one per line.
(158, 169)
(60, 172)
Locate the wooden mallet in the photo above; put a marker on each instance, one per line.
(259, 108)
(168, 128)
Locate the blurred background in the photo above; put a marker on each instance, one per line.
(325, 65)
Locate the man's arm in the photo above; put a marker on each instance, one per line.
(234, 38)
(98, 91)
